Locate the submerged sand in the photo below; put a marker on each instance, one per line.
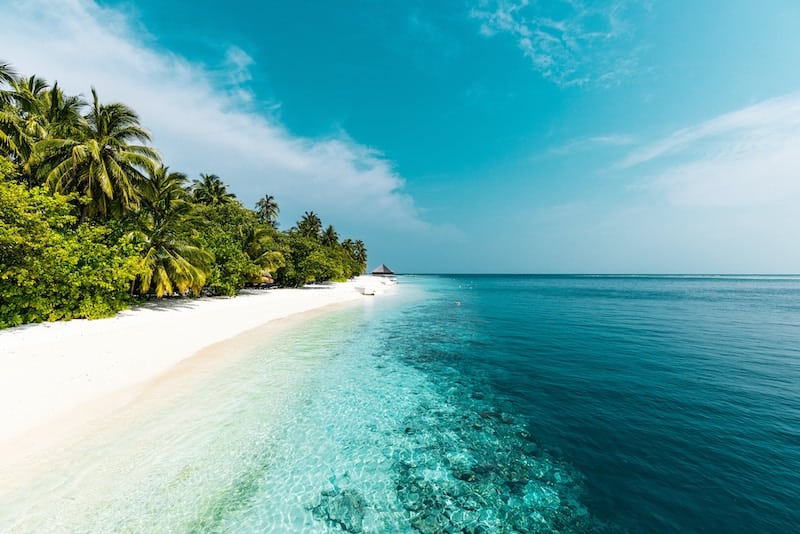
(49, 370)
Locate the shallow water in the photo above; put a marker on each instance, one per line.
(577, 404)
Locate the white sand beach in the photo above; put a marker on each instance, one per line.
(49, 370)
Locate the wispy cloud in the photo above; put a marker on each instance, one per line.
(236, 71)
(746, 157)
(570, 42)
(590, 143)
(200, 119)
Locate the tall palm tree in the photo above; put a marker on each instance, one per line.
(310, 226)
(329, 237)
(211, 191)
(169, 262)
(101, 162)
(267, 210)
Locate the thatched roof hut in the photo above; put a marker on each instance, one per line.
(383, 270)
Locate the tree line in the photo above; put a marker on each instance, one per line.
(91, 218)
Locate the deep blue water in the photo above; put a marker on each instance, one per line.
(676, 399)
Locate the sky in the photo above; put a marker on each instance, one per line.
(558, 136)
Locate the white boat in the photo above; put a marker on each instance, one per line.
(366, 290)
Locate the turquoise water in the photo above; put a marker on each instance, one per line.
(463, 404)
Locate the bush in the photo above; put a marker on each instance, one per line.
(50, 268)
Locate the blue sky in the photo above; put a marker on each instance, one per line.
(468, 136)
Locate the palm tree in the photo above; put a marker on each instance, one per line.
(162, 189)
(7, 73)
(361, 254)
(211, 191)
(48, 114)
(18, 108)
(8, 76)
(267, 210)
(10, 132)
(169, 261)
(310, 226)
(60, 113)
(329, 237)
(261, 247)
(101, 162)
(30, 112)
(27, 95)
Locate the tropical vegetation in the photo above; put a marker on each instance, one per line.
(91, 219)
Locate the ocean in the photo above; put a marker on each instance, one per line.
(464, 404)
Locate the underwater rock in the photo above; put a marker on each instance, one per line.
(429, 523)
(540, 496)
(467, 462)
(466, 476)
(344, 509)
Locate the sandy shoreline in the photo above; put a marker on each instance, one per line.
(50, 369)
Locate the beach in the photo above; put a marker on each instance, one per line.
(51, 370)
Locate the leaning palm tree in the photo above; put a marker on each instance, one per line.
(329, 237)
(211, 191)
(267, 210)
(101, 162)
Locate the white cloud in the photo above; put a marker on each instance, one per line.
(747, 157)
(570, 42)
(202, 125)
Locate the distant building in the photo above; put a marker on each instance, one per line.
(383, 270)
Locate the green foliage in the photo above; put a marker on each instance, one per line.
(267, 210)
(100, 160)
(329, 237)
(211, 191)
(50, 268)
(7, 169)
(170, 261)
(89, 217)
(222, 230)
(261, 243)
(306, 260)
(310, 226)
